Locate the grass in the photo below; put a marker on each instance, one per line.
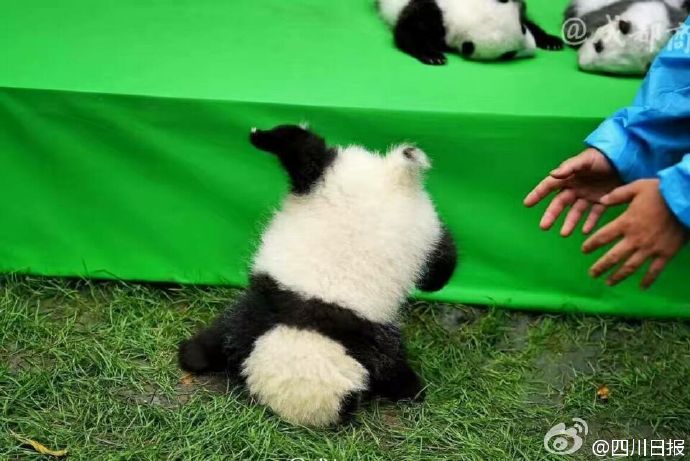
(91, 367)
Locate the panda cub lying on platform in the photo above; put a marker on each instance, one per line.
(622, 36)
(477, 29)
(316, 331)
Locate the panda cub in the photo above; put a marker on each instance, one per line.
(316, 331)
(622, 36)
(477, 29)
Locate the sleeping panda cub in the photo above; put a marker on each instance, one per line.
(316, 331)
(623, 36)
(477, 29)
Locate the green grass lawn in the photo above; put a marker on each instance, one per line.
(91, 367)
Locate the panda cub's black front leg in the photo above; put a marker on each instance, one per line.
(420, 33)
(544, 40)
(402, 383)
(441, 263)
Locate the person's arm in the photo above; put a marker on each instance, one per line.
(675, 188)
(654, 132)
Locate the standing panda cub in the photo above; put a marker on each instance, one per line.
(477, 29)
(316, 331)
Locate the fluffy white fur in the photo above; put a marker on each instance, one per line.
(360, 238)
(583, 7)
(678, 4)
(633, 52)
(390, 9)
(492, 26)
(302, 375)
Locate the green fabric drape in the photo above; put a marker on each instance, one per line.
(124, 153)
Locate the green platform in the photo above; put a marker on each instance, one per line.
(124, 154)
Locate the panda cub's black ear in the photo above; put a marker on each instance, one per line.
(304, 154)
(624, 26)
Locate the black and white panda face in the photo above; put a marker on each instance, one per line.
(357, 226)
(487, 29)
(623, 46)
(628, 43)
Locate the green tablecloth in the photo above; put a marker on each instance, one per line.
(124, 153)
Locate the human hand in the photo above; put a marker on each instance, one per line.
(580, 181)
(647, 230)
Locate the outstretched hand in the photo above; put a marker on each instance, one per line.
(648, 230)
(581, 182)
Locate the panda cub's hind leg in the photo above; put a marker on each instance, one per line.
(402, 383)
(420, 33)
(205, 351)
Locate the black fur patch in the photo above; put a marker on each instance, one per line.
(402, 383)
(507, 56)
(377, 346)
(204, 352)
(467, 49)
(677, 16)
(303, 154)
(420, 32)
(543, 39)
(440, 264)
(624, 26)
(349, 406)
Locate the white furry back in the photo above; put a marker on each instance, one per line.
(359, 239)
(492, 26)
(583, 7)
(390, 9)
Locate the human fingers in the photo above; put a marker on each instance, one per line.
(655, 269)
(622, 194)
(574, 216)
(615, 255)
(543, 189)
(603, 236)
(581, 162)
(628, 268)
(556, 207)
(593, 218)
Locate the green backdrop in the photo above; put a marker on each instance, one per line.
(124, 153)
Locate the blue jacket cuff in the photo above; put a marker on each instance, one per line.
(612, 139)
(675, 188)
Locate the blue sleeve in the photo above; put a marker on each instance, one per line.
(675, 187)
(654, 132)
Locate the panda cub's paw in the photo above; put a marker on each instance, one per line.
(348, 408)
(192, 357)
(551, 43)
(411, 389)
(435, 59)
(203, 353)
(402, 384)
